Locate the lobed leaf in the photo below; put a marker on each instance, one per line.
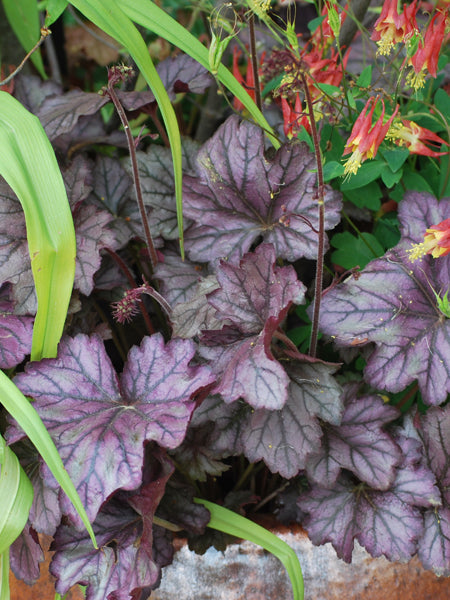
(252, 301)
(239, 195)
(158, 188)
(434, 546)
(358, 444)
(125, 564)
(435, 432)
(151, 402)
(60, 113)
(25, 554)
(15, 332)
(392, 304)
(284, 438)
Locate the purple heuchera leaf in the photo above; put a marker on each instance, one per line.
(226, 422)
(60, 113)
(252, 301)
(380, 521)
(113, 188)
(332, 516)
(183, 74)
(15, 265)
(178, 279)
(31, 91)
(239, 195)
(435, 432)
(392, 304)
(434, 546)
(284, 438)
(197, 456)
(92, 234)
(358, 444)
(25, 554)
(158, 186)
(196, 314)
(388, 523)
(120, 565)
(78, 180)
(152, 401)
(255, 291)
(124, 564)
(15, 332)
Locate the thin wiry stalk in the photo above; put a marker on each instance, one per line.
(135, 169)
(321, 207)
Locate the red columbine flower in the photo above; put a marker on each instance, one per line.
(294, 117)
(436, 242)
(323, 70)
(365, 139)
(392, 28)
(249, 83)
(409, 134)
(323, 36)
(427, 55)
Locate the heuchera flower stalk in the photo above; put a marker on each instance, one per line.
(436, 242)
(409, 134)
(392, 28)
(365, 139)
(427, 55)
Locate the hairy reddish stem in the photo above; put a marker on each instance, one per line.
(251, 23)
(321, 206)
(136, 178)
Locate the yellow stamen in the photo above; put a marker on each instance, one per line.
(416, 80)
(430, 245)
(417, 251)
(353, 163)
(386, 44)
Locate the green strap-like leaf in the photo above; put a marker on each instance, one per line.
(110, 17)
(151, 16)
(28, 164)
(23, 16)
(54, 9)
(16, 493)
(4, 575)
(28, 419)
(229, 522)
